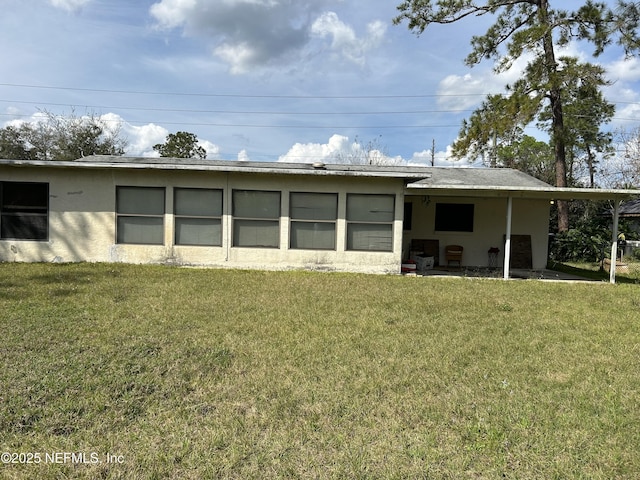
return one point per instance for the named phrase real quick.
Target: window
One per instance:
(140, 215)
(256, 218)
(24, 211)
(313, 220)
(454, 217)
(198, 216)
(408, 216)
(370, 222)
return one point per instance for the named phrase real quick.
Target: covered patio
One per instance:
(484, 210)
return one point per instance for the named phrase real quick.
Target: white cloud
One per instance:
(315, 152)
(239, 57)
(246, 34)
(468, 90)
(463, 91)
(339, 149)
(440, 159)
(629, 113)
(624, 70)
(12, 111)
(213, 150)
(243, 156)
(173, 13)
(622, 73)
(424, 158)
(70, 5)
(344, 39)
(142, 139)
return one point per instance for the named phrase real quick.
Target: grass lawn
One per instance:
(594, 271)
(168, 373)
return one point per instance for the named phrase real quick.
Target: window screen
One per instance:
(370, 222)
(256, 218)
(140, 215)
(454, 217)
(24, 211)
(198, 216)
(313, 220)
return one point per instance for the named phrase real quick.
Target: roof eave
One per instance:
(548, 193)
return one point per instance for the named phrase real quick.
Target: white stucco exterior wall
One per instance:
(82, 220)
(530, 217)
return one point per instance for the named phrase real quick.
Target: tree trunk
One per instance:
(555, 98)
(592, 168)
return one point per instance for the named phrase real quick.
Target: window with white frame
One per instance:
(256, 218)
(313, 220)
(370, 222)
(198, 216)
(24, 211)
(140, 215)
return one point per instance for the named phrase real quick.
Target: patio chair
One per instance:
(453, 253)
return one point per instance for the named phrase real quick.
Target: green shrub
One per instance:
(579, 245)
(590, 238)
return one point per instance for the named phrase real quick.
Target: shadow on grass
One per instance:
(591, 273)
(72, 273)
(18, 281)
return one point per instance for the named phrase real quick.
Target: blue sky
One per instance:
(263, 80)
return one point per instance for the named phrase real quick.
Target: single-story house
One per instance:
(631, 212)
(272, 215)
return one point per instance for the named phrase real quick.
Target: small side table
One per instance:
(493, 257)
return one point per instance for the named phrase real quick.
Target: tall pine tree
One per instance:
(533, 27)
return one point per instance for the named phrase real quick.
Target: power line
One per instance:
(241, 95)
(236, 95)
(261, 112)
(259, 125)
(255, 125)
(237, 112)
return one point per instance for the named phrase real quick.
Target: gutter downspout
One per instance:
(507, 243)
(614, 241)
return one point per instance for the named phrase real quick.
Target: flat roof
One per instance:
(194, 164)
(421, 180)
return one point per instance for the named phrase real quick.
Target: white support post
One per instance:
(614, 241)
(507, 243)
